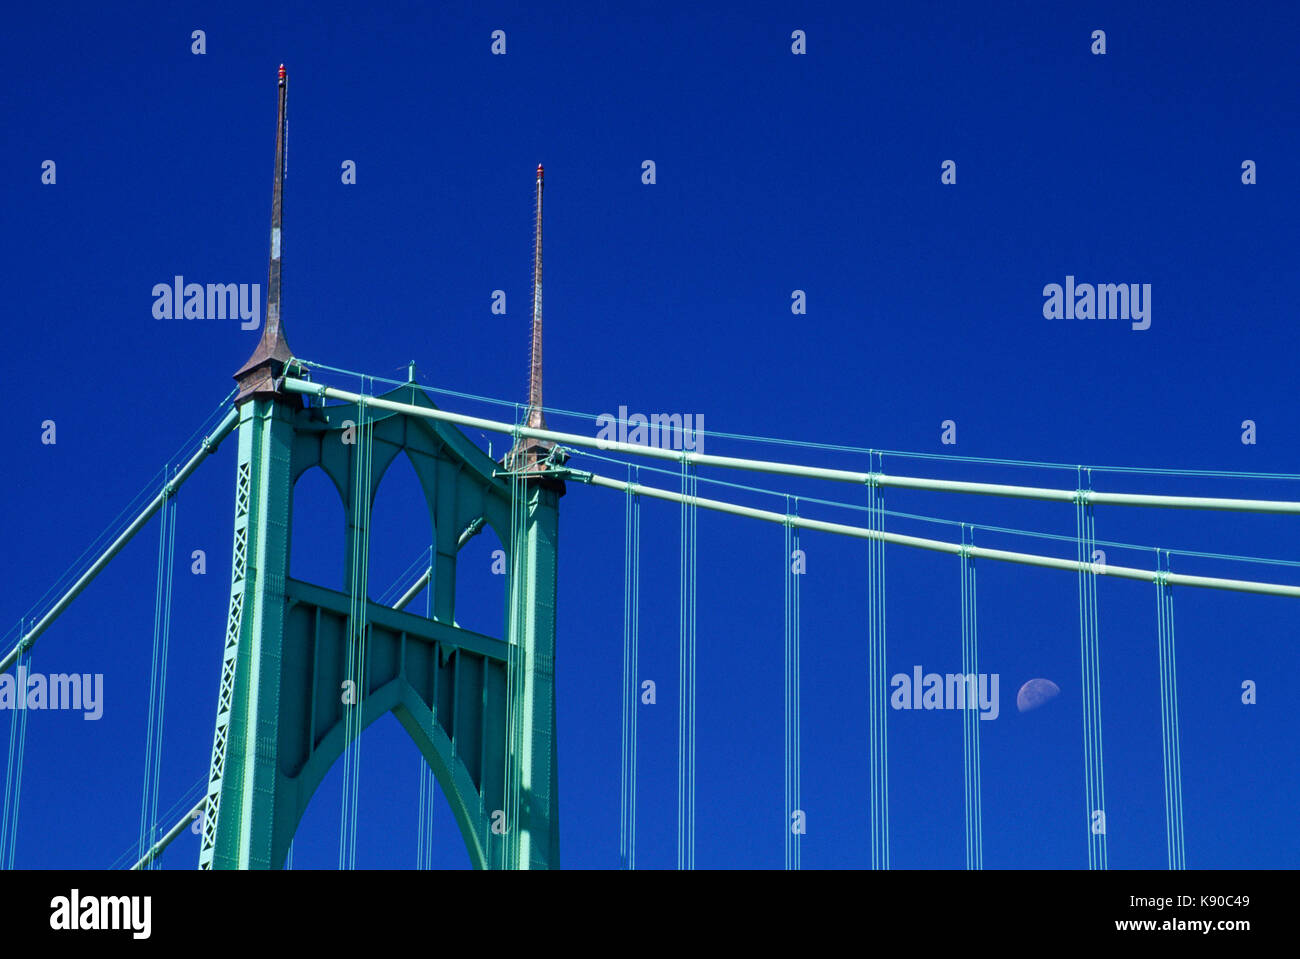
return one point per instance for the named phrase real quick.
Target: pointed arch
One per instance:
(389, 809)
(454, 778)
(317, 530)
(402, 532)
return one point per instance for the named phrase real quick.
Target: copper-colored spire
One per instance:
(535, 418)
(529, 455)
(258, 375)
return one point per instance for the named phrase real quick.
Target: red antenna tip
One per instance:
(282, 73)
(539, 171)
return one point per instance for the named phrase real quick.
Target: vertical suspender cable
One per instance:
(798, 706)
(1081, 555)
(636, 669)
(419, 821)
(356, 655)
(975, 719)
(349, 669)
(363, 632)
(695, 513)
(1175, 736)
(970, 704)
(787, 549)
(512, 628)
(626, 776)
(14, 761)
(158, 674)
(428, 782)
(162, 666)
(683, 693)
(515, 662)
(1090, 658)
(967, 806)
(686, 675)
(349, 690)
(1170, 739)
(424, 828)
(519, 655)
(876, 674)
(1091, 579)
(631, 630)
(1164, 705)
(792, 561)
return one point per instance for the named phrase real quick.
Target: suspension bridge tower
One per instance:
(305, 669)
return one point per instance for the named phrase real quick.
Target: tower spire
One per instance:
(535, 456)
(258, 374)
(535, 417)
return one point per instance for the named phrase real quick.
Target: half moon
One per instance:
(1035, 693)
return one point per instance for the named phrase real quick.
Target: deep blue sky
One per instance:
(775, 172)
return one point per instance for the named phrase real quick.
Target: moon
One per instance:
(1035, 693)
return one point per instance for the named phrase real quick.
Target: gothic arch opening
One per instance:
(318, 531)
(388, 810)
(401, 532)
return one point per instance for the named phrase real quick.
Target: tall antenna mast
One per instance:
(264, 367)
(535, 418)
(536, 456)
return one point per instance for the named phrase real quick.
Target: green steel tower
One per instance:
(306, 668)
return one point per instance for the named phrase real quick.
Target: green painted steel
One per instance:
(280, 712)
(534, 565)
